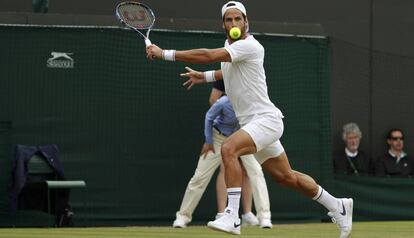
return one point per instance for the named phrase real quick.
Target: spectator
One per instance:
(351, 160)
(396, 162)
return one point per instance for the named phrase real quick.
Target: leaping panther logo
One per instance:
(60, 60)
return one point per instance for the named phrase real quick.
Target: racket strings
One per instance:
(136, 16)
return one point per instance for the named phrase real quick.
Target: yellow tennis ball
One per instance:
(235, 33)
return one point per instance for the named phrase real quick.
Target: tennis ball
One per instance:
(235, 33)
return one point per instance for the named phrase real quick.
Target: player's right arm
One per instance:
(203, 56)
(194, 56)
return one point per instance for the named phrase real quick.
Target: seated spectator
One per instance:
(351, 160)
(395, 163)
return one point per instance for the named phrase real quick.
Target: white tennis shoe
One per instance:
(342, 217)
(266, 223)
(179, 223)
(228, 223)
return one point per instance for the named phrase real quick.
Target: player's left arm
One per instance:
(197, 77)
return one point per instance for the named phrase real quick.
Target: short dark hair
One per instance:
(389, 134)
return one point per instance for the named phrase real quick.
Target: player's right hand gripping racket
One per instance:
(137, 16)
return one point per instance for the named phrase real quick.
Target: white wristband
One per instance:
(209, 76)
(168, 55)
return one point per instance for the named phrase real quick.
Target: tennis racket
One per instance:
(136, 16)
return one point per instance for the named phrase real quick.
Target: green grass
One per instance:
(403, 229)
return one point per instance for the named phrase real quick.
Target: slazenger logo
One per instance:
(60, 60)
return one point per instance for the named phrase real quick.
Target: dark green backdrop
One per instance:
(127, 126)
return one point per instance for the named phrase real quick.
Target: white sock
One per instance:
(327, 200)
(234, 195)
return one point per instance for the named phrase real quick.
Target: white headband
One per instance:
(233, 4)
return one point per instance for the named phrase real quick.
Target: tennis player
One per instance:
(260, 120)
(220, 122)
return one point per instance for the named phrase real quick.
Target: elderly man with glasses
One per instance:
(351, 160)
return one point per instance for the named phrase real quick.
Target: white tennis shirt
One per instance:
(245, 80)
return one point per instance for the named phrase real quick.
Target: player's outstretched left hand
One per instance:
(195, 77)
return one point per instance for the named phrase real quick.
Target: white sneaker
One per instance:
(266, 223)
(249, 219)
(343, 216)
(179, 223)
(228, 223)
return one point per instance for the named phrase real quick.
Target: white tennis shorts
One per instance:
(266, 131)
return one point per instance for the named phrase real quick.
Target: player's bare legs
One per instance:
(339, 209)
(279, 169)
(249, 219)
(239, 143)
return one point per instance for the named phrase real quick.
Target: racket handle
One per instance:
(147, 42)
